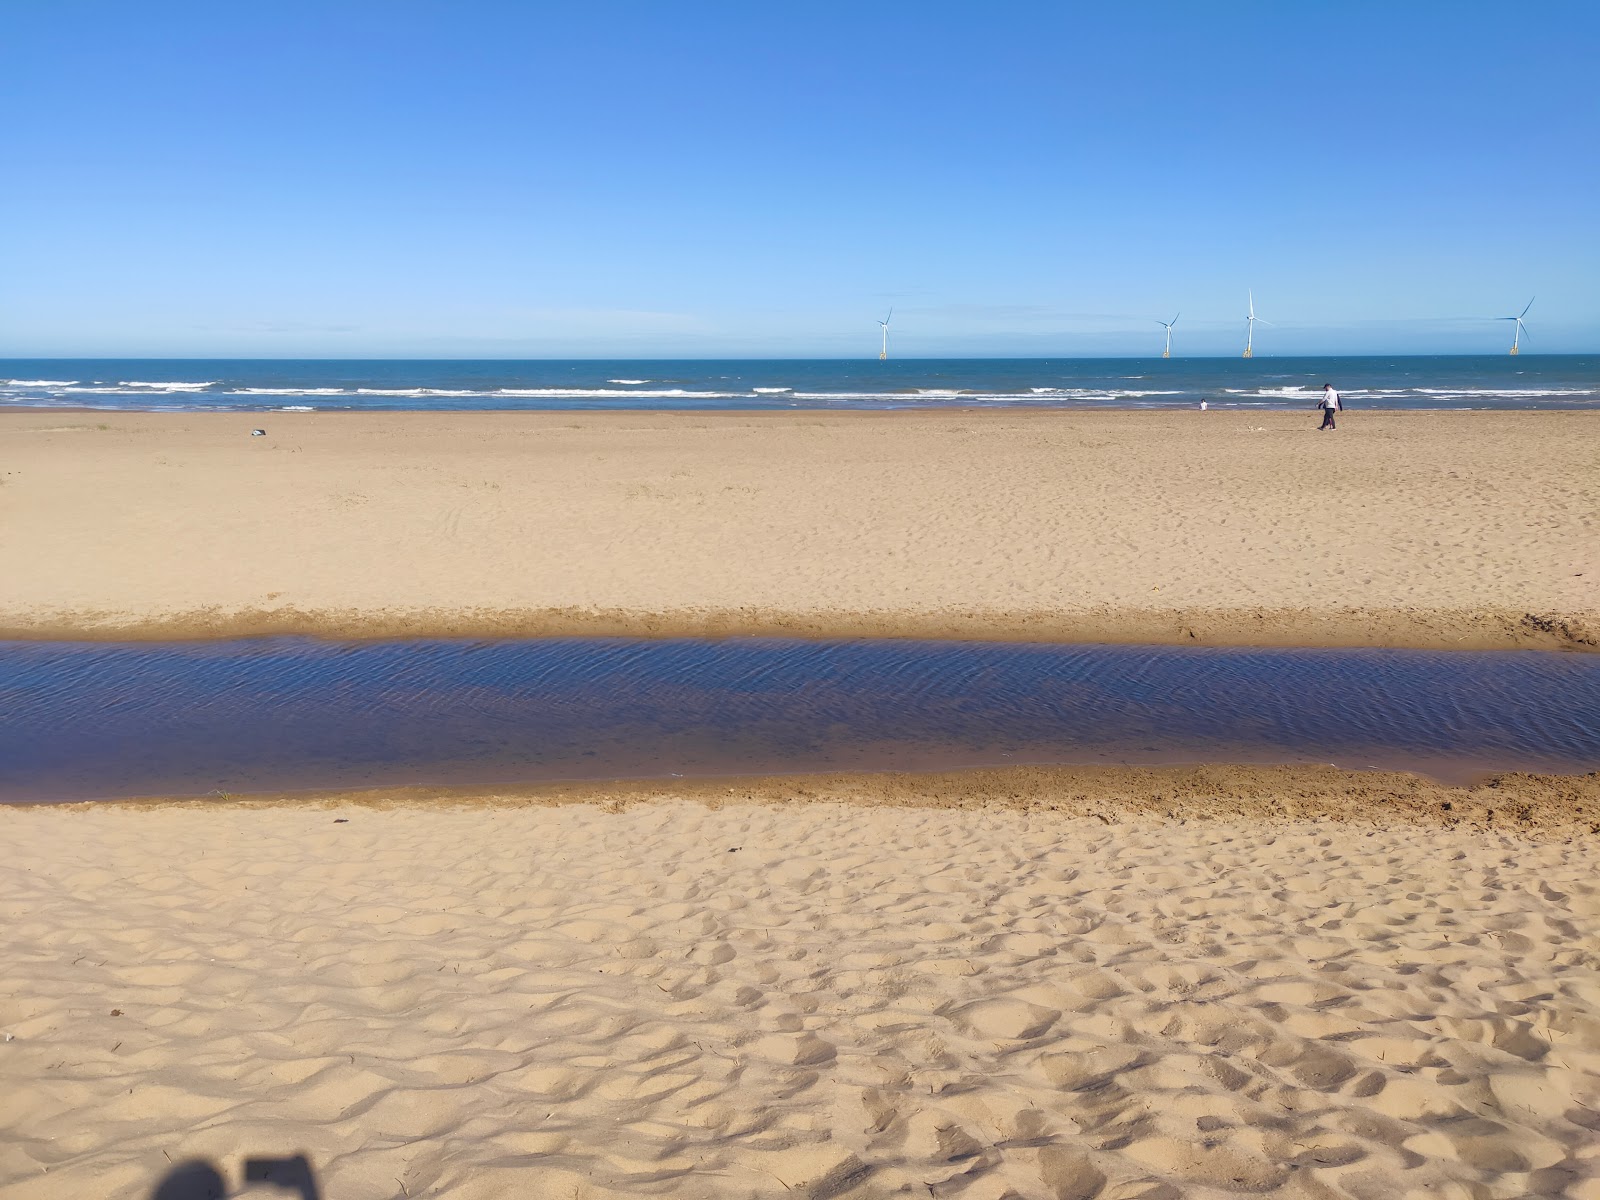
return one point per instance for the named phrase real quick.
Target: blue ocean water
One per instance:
(1459, 381)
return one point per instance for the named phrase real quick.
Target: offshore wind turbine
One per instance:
(1166, 351)
(884, 353)
(1521, 331)
(1250, 328)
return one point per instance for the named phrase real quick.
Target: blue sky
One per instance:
(471, 178)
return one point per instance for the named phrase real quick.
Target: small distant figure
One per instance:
(1202, 406)
(258, 433)
(1329, 404)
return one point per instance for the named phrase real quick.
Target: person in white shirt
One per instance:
(1329, 404)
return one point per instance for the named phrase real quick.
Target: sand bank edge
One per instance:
(1420, 629)
(1563, 806)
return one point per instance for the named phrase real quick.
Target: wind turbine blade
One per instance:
(1523, 328)
(1174, 320)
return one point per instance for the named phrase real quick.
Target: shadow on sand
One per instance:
(197, 1179)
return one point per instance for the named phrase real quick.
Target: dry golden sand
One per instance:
(1437, 529)
(658, 995)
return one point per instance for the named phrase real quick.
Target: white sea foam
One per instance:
(967, 398)
(168, 387)
(1463, 393)
(630, 381)
(40, 382)
(847, 396)
(413, 392)
(615, 392)
(1510, 392)
(292, 391)
(765, 391)
(1099, 393)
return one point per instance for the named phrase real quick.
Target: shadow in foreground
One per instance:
(201, 1180)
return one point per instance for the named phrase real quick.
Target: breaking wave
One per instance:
(292, 391)
(1570, 382)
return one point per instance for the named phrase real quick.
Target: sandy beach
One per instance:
(1046, 984)
(708, 997)
(799, 602)
(1447, 529)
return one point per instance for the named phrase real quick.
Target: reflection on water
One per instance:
(99, 720)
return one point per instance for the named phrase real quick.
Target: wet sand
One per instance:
(1449, 529)
(1036, 985)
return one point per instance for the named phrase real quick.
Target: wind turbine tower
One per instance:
(1521, 331)
(1250, 328)
(1166, 351)
(884, 353)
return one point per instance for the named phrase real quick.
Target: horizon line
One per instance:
(776, 358)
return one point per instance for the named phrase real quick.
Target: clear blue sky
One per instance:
(693, 179)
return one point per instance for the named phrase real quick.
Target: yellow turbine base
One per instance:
(1249, 353)
(1514, 350)
(1166, 354)
(882, 354)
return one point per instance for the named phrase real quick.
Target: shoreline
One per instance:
(953, 406)
(1502, 802)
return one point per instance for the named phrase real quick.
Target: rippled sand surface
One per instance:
(796, 1000)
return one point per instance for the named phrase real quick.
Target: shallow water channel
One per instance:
(100, 720)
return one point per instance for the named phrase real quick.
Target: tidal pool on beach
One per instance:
(105, 720)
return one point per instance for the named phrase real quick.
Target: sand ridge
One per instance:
(796, 1000)
(1529, 806)
(1449, 529)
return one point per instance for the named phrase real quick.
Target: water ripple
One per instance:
(92, 720)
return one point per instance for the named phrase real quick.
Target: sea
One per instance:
(285, 385)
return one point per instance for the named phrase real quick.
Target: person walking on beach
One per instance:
(1329, 404)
